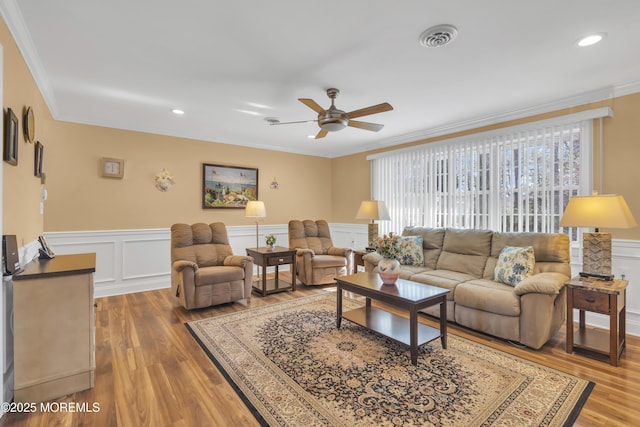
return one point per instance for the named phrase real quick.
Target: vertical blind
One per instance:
(515, 179)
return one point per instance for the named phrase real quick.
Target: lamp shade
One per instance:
(605, 210)
(255, 209)
(373, 210)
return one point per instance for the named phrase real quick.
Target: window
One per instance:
(513, 179)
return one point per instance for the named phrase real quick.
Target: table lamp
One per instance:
(255, 209)
(606, 210)
(373, 210)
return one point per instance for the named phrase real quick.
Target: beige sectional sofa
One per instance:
(464, 261)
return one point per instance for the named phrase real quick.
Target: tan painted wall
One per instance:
(80, 199)
(21, 189)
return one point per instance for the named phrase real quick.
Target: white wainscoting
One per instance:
(139, 260)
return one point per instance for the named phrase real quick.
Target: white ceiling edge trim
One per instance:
(199, 138)
(594, 113)
(15, 22)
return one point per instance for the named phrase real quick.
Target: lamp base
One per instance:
(596, 255)
(372, 233)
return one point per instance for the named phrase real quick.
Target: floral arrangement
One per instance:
(270, 239)
(389, 246)
(164, 180)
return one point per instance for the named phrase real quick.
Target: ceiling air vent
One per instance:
(437, 36)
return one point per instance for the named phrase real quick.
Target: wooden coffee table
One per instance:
(405, 294)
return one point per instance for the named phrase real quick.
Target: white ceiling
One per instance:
(229, 64)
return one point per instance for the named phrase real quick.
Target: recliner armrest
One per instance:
(303, 252)
(345, 252)
(237, 260)
(182, 264)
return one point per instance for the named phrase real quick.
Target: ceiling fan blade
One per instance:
(322, 133)
(374, 127)
(385, 106)
(288, 123)
(312, 104)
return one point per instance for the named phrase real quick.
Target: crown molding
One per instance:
(15, 22)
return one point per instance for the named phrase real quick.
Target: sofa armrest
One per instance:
(182, 264)
(371, 260)
(345, 252)
(237, 261)
(542, 283)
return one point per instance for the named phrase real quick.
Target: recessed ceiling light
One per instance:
(177, 111)
(591, 39)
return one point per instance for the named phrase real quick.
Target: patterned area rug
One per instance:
(293, 367)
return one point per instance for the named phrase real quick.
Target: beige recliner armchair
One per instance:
(318, 262)
(204, 271)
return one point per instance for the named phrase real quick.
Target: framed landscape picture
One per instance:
(228, 187)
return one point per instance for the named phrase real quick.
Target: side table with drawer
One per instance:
(597, 296)
(274, 258)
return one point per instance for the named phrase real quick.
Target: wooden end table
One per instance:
(405, 294)
(274, 258)
(598, 296)
(358, 259)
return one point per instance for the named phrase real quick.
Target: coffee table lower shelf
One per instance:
(390, 325)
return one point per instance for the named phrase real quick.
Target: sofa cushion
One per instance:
(323, 261)
(443, 279)
(465, 251)
(219, 274)
(411, 251)
(488, 295)
(514, 264)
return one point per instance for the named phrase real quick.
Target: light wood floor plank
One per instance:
(151, 372)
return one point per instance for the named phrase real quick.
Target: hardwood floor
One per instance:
(151, 372)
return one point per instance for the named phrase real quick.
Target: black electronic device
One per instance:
(10, 257)
(45, 250)
(606, 278)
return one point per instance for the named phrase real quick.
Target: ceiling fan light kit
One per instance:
(333, 119)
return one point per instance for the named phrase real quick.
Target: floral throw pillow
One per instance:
(411, 251)
(514, 264)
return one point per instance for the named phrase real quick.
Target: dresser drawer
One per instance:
(597, 302)
(287, 259)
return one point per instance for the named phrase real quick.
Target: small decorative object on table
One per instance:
(390, 247)
(270, 239)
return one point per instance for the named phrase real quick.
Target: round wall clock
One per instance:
(29, 124)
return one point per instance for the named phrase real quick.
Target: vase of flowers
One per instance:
(390, 247)
(270, 239)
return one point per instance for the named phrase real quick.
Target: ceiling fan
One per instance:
(332, 119)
